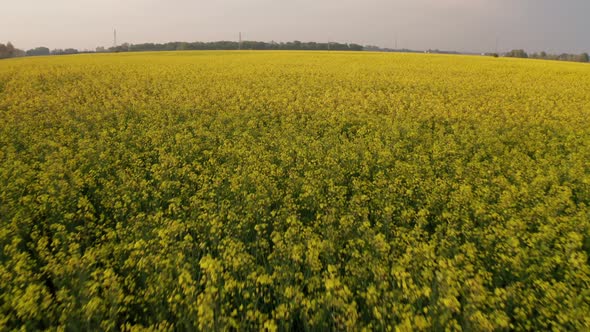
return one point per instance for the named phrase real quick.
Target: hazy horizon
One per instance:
(461, 25)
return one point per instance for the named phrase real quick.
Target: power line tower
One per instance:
(240, 42)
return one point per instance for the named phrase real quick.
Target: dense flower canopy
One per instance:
(294, 191)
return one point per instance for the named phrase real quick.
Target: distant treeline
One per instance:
(9, 51)
(545, 56)
(232, 45)
(45, 51)
(374, 48)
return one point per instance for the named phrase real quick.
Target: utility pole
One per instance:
(115, 37)
(240, 42)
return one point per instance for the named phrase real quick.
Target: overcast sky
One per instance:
(463, 25)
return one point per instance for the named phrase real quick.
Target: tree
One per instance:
(517, 54)
(125, 47)
(64, 52)
(584, 57)
(9, 51)
(38, 51)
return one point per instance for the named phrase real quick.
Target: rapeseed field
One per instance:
(294, 191)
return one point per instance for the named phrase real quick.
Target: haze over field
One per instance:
(462, 25)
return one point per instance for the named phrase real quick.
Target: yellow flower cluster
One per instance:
(294, 191)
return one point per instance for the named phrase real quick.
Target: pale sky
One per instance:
(464, 25)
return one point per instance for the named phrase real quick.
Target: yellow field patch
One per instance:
(294, 191)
